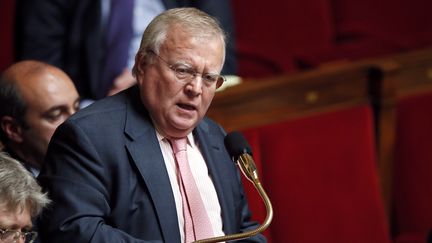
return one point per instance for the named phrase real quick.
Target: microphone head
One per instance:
(236, 144)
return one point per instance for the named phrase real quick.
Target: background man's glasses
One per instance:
(186, 74)
(14, 236)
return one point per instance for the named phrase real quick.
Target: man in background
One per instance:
(35, 98)
(95, 42)
(21, 200)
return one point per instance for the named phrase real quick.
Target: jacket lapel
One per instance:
(146, 154)
(212, 150)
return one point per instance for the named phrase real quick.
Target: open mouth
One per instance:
(186, 107)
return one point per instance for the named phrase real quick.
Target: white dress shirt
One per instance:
(202, 179)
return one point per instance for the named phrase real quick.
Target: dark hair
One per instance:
(12, 104)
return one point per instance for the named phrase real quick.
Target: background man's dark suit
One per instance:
(68, 34)
(108, 177)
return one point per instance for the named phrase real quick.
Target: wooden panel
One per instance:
(412, 76)
(408, 73)
(265, 101)
(402, 75)
(379, 82)
(415, 73)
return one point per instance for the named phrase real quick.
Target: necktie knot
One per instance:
(178, 144)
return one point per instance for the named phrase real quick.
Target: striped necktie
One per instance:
(197, 224)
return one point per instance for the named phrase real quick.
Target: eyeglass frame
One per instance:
(17, 234)
(192, 73)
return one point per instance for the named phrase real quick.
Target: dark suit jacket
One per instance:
(106, 175)
(68, 34)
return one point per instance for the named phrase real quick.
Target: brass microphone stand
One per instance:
(247, 166)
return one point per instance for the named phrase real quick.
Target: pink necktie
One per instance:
(197, 224)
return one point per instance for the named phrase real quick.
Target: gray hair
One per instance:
(18, 188)
(190, 20)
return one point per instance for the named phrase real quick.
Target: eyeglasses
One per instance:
(186, 74)
(13, 236)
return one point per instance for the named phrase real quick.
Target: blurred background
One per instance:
(336, 100)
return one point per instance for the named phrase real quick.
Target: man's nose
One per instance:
(195, 84)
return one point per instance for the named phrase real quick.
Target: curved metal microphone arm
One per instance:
(247, 166)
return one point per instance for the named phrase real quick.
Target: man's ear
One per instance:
(140, 66)
(11, 128)
(141, 62)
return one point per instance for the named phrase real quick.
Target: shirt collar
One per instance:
(190, 139)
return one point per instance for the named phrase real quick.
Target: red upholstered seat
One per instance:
(393, 25)
(370, 28)
(321, 175)
(269, 35)
(255, 202)
(413, 168)
(7, 15)
(411, 238)
(385, 19)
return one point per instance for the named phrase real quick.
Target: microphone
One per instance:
(241, 153)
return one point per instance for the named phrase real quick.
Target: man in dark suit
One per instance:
(70, 34)
(113, 170)
(35, 99)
